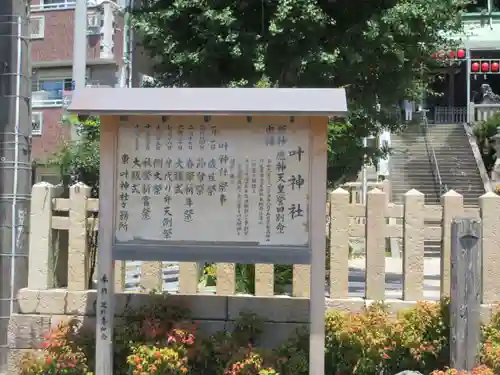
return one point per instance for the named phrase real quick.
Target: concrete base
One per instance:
(39, 310)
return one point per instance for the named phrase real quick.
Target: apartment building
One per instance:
(52, 31)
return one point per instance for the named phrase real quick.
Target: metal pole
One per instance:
(470, 115)
(15, 164)
(126, 79)
(364, 175)
(79, 51)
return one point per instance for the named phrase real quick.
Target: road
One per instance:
(394, 283)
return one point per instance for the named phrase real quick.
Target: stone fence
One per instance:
(61, 261)
(68, 258)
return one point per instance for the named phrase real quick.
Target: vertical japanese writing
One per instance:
(135, 176)
(281, 137)
(148, 136)
(169, 137)
(180, 139)
(181, 171)
(269, 169)
(202, 140)
(124, 194)
(261, 190)
(213, 140)
(270, 130)
(190, 136)
(280, 192)
(232, 164)
(246, 205)
(238, 200)
(103, 307)
(296, 182)
(298, 153)
(254, 176)
(188, 210)
(137, 134)
(158, 137)
(167, 222)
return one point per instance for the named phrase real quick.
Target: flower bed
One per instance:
(162, 339)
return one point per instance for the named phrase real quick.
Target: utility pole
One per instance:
(15, 155)
(79, 51)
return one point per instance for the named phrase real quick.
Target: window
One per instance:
(58, 2)
(36, 123)
(477, 6)
(495, 5)
(37, 27)
(54, 87)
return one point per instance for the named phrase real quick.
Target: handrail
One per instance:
(432, 154)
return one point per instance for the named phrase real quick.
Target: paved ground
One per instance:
(393, 278)
(393, 269)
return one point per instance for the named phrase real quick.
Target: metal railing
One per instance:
(61, 5)
(47, 103)
(440, 185)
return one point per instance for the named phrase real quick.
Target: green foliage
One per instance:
(490, 354)
(162, 339)
(380, 51)
(78, 160)
(484, 131)
(245, 277)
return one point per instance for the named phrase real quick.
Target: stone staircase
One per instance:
(412, 167)
(456, 161)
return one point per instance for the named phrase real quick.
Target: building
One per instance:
(476, 65)
(51, 32)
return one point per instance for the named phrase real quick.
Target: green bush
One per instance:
(162, 340)
(484, 131)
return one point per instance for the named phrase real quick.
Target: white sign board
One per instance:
(213, 180)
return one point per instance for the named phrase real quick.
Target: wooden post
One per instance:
(465, 293)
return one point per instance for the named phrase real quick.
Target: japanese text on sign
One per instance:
(223, 180)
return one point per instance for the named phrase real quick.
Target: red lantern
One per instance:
(485, 67)
(451, 54)
(474, 67)
(461, 54)
(495, 67)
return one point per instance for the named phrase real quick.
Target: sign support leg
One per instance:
(105, 264)
(317, 235)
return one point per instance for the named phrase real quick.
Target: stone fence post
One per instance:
(41, 254)
(78, 267)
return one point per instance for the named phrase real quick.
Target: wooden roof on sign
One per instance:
(209, 101)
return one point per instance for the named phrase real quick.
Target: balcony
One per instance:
(55, 93)
(48, 5)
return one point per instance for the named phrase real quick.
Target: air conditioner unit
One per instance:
(36, 123)
(94, 23)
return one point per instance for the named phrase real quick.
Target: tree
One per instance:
(378, 50)
(78, 160)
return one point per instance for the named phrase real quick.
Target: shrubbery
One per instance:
(162, 339)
